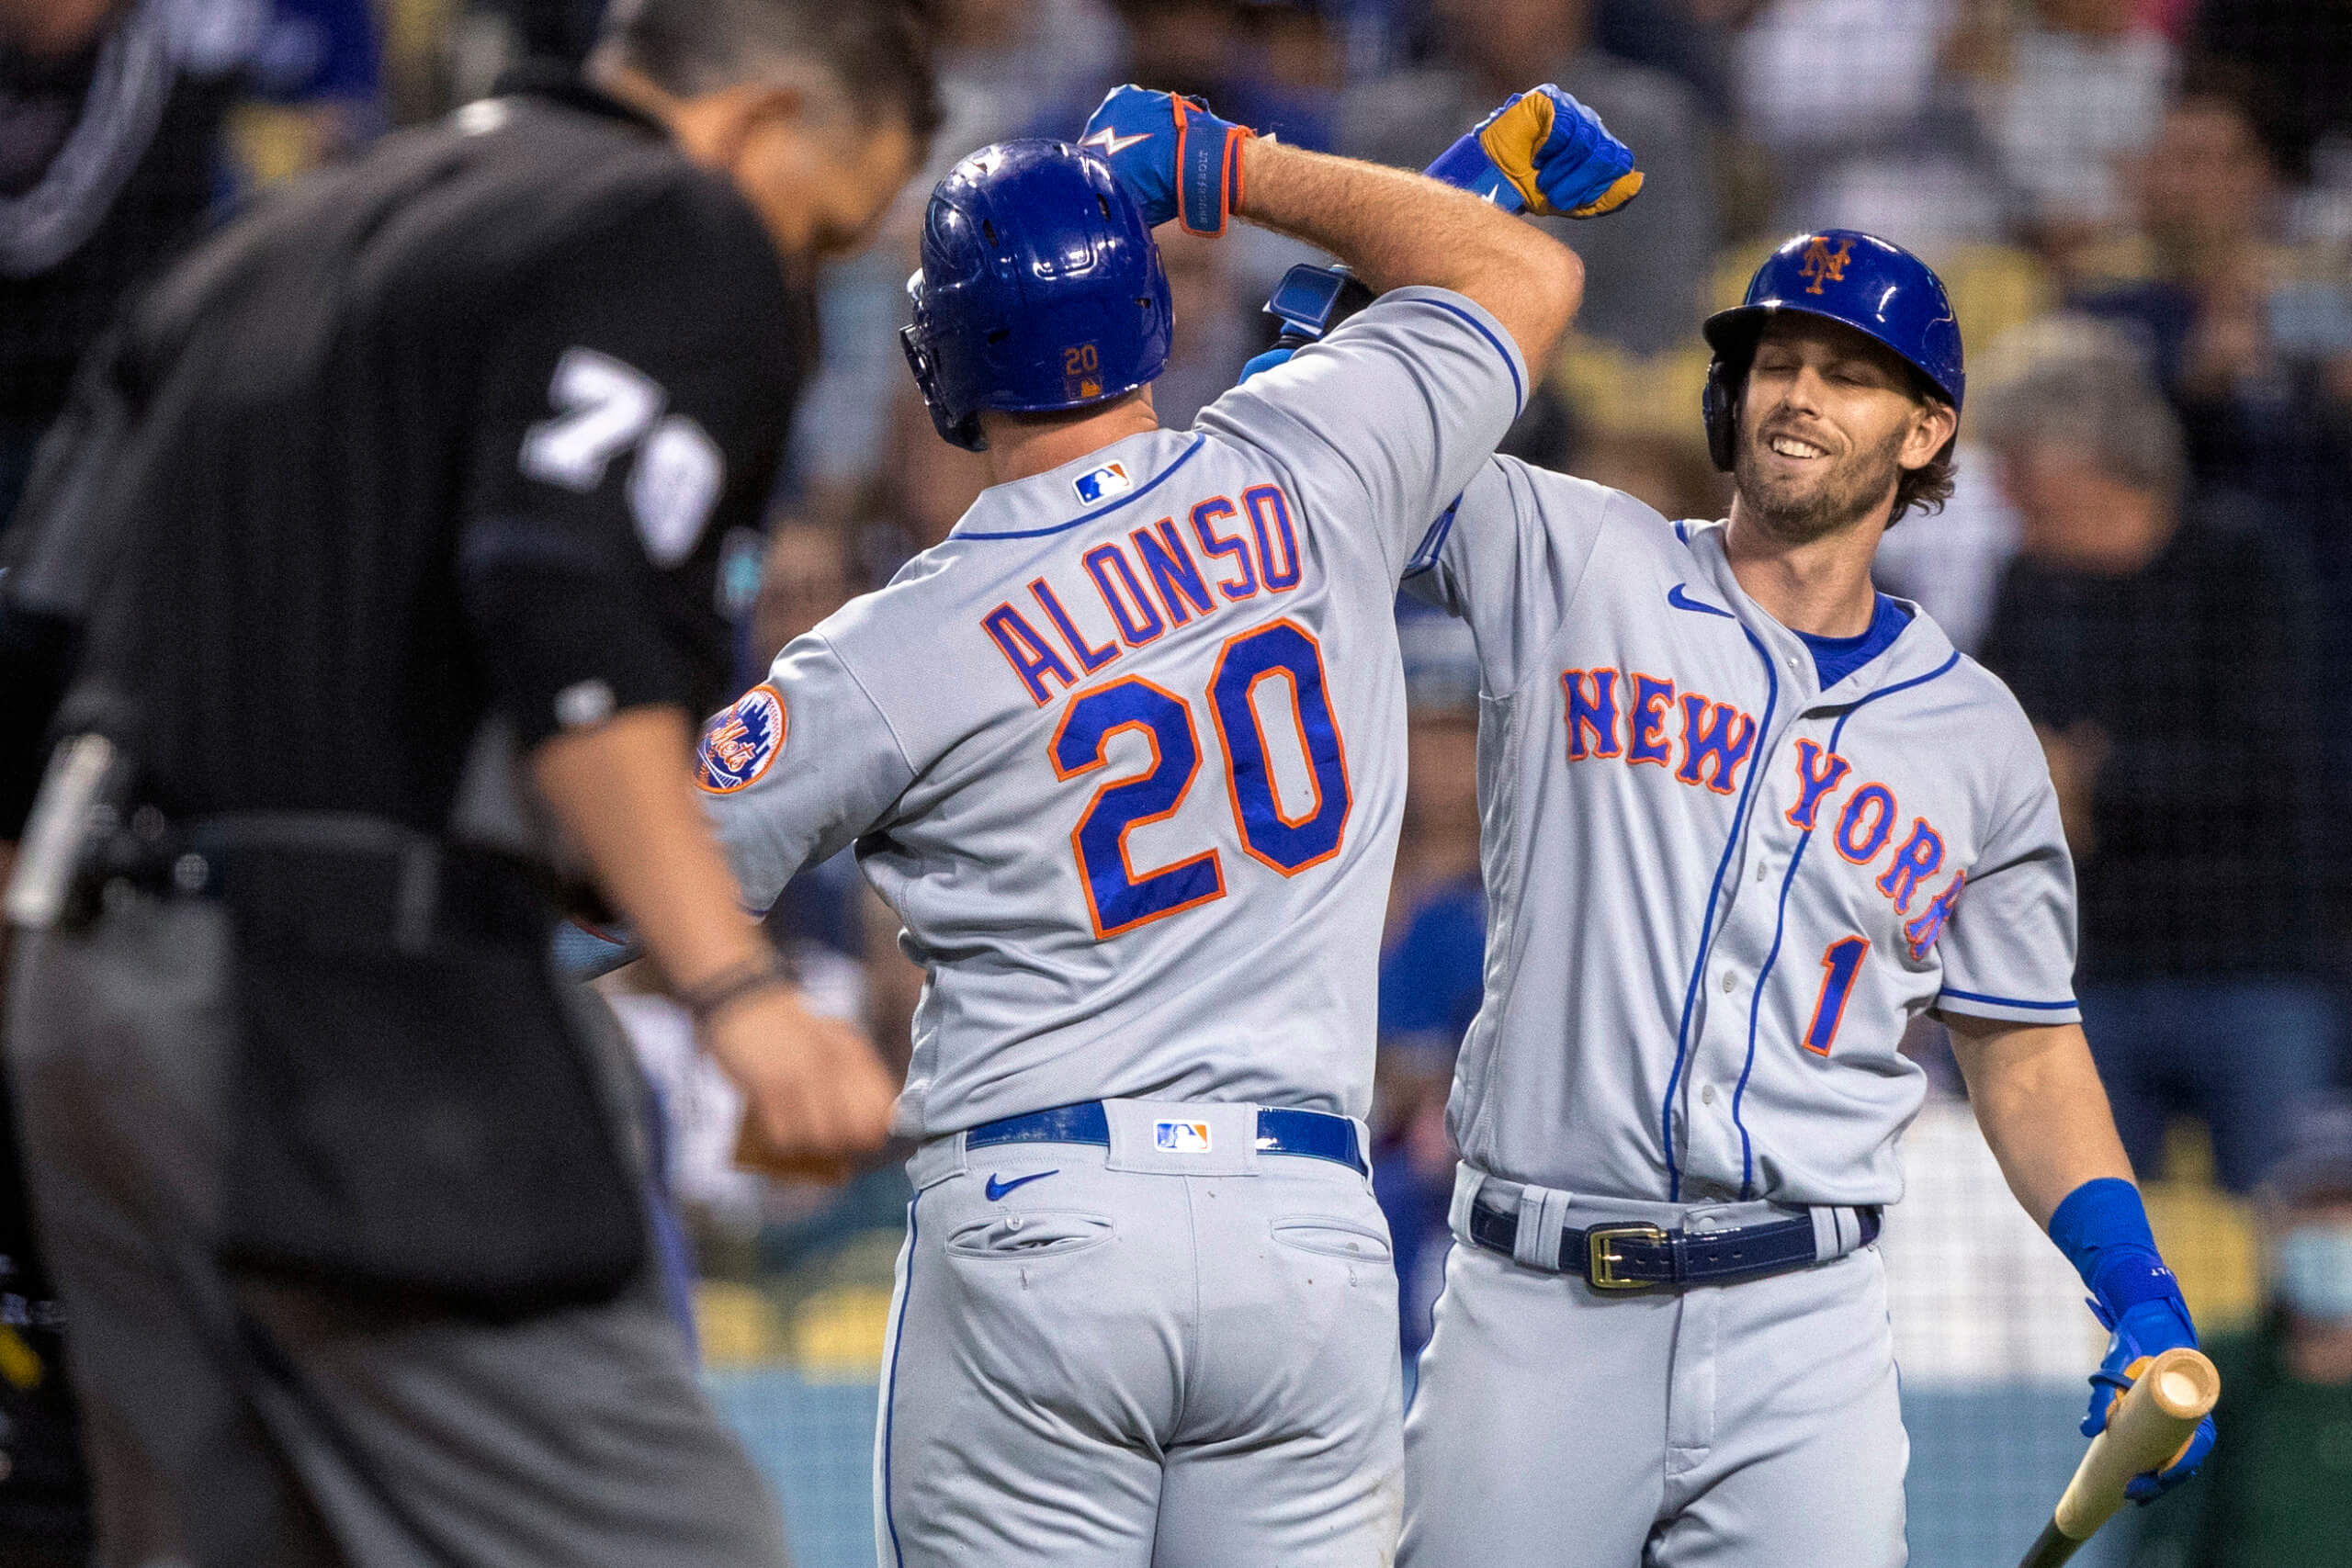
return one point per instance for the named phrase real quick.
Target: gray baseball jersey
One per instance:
(1126, 753)
(1717, 892)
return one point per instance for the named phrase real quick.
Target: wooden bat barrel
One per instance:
(2147, 1429)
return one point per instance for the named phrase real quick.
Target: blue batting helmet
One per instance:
(1040, 288)
(1879, 289)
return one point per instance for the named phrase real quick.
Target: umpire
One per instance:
(372, 586)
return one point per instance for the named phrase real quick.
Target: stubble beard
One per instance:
(1798, 513)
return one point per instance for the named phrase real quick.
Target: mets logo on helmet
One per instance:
(1823, 265)
(740, 742)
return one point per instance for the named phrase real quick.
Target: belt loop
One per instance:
(1542, 1215)
(1467, 1182)
(937, 1161)
(1836, 1231)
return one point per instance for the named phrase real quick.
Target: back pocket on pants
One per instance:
(1033, 1232)
(1332, 1238)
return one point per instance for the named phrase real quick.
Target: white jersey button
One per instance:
(1730, 980)
(1707, 1095)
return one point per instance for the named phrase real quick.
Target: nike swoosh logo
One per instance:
(1681, 601)
(1112, 143)
(998, 1187)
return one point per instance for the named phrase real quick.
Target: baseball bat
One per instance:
(2152, 1422)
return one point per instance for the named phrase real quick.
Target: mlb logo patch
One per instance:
(1101, 484)
(1181, 1137)
(740, 742)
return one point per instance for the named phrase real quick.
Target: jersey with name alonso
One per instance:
(1717, 892)
(1126, 753)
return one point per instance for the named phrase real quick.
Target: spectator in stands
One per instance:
(1432, 965)
(1646, 270)
(1689, 38)
(2165, 650)
(314, 74)
(2066, 99)
(1864, 126)
(2208, 215)
(112, 156)
(2253, 338)
(2299, 54)
(110, 143)
(2273, 1496)
(806, 574)
(1290, 63)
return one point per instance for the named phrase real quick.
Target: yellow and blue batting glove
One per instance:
(1549, 151)
(1173, 156)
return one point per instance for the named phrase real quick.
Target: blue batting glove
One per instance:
(1173, 156)
(1550, 149)
(2139, 1334)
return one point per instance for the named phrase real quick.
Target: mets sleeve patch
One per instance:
(742, 741)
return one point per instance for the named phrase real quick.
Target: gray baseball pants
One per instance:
(1753, 1424)
(1127, 1359)
(231, 1425)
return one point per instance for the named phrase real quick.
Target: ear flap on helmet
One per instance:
(964, 432)
(1719, 405)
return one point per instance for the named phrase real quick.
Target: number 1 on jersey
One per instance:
(1843, 960)
(1120, 898)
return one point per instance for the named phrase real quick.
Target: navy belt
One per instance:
(1643, 1257)
(1312, 1134)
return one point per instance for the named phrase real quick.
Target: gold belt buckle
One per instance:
(1602, 1265)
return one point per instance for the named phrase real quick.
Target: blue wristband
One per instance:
(1465, 166)
(2102, 1227)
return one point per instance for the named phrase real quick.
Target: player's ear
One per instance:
(1933, 424)
(732, 116)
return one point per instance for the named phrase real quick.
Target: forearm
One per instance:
(1392, 229)
(624, 791)
(2038, 1098)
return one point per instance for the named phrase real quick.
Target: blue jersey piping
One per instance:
(1129, 499)
(1518, 390)
(891, 1388)
(1780, 927)
(1707, 927)
(1425, 555)
(2006, 1001)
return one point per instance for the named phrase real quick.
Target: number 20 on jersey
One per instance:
(1120, 897)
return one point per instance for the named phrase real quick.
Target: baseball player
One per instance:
(1125, 755)
(1745, 817)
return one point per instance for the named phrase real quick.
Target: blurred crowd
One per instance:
(2143, 209)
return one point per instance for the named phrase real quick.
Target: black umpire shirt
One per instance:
(448, 435)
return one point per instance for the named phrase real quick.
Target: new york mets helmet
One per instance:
(1879, 289)
(1041, 289)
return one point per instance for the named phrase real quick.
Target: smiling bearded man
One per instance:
(1811, 465)
(1732, 796)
